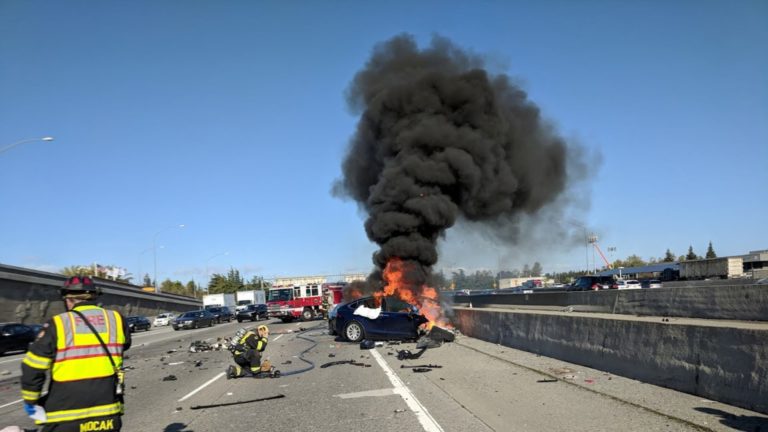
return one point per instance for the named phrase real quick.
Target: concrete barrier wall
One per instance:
(745, 302)
(32, 297)
(719, 363)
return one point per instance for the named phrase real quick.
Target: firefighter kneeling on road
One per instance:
(83, 350)
(247, 354)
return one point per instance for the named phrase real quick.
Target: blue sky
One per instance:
(229, 117)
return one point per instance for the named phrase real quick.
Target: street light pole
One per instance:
(9, 146)
(154, 248)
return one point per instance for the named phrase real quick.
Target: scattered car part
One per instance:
(421, 366)
(170, 378)
(407, 355)
(421, 370)
(340, 362)
(546, 380)
(366, 343)
(197, 407)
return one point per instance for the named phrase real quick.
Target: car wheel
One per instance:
(239, 320)
(332, 327)
(175, 329)
(307, 314)
(354, 331)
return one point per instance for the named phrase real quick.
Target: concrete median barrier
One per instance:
(31, 297)
(718, 360)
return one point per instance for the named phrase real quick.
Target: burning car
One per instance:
(384, 318)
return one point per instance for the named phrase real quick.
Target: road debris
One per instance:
(421, 370)
(408, 355)
(340, 362)
(170, 378)
(433, 366)
(400, 410)
(175, 363)
(203, 346)
(546, 381)
(331, 355)
(198, 363)
(367, 344)
(287, 362)
(197, 407)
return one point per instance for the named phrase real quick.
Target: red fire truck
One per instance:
(301, 301)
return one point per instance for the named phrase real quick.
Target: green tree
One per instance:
(231, 283)
(257, 283)
(536, 270)
(669, 256)
(691, 254)
(711, 252)
(172, 287)
(634, 261)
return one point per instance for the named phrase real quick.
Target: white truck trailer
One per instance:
(244, 298)
(722, 268)
(227, 300)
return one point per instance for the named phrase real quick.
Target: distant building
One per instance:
(756, 263)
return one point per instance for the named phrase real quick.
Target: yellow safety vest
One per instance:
(79, 355)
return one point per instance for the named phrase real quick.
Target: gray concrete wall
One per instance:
(32, 297)
(734, 301)
(716, 362)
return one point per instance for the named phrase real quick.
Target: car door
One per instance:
(396, 320)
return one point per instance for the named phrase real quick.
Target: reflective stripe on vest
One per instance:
(81, 413)
(79, 355)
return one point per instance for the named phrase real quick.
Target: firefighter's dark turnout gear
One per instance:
(247, 353)
(82, 392)
(85, 389)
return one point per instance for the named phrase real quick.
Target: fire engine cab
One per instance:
(304, 302)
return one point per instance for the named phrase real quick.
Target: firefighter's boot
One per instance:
(231, 372)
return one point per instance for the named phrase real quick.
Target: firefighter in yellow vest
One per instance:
(247, 354)
(86, 390)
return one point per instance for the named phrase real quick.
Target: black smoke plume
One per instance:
(440, 138)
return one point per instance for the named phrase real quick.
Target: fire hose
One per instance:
(301, 354)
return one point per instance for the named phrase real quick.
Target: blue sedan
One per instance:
(396, 320)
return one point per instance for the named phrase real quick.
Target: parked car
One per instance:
(194, 319)
(394, 319)
(222, 313)
(15, 337)
(252, 312)
(652, 283)
(164, 319)
(136, 323)
(592, 282)
(628, 284)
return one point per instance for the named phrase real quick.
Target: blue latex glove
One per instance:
(29, 408)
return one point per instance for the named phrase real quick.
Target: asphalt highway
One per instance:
(480, 387)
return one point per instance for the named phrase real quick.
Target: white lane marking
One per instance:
(278, 337)
(425, 418)
(20, 400)
(11, 403)
(12, 360)
(202, 387)
(369, 393)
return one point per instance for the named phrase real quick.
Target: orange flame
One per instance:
(424, 297)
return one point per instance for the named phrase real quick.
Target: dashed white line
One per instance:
(202, 387)
(425, 418)
(278, 337)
